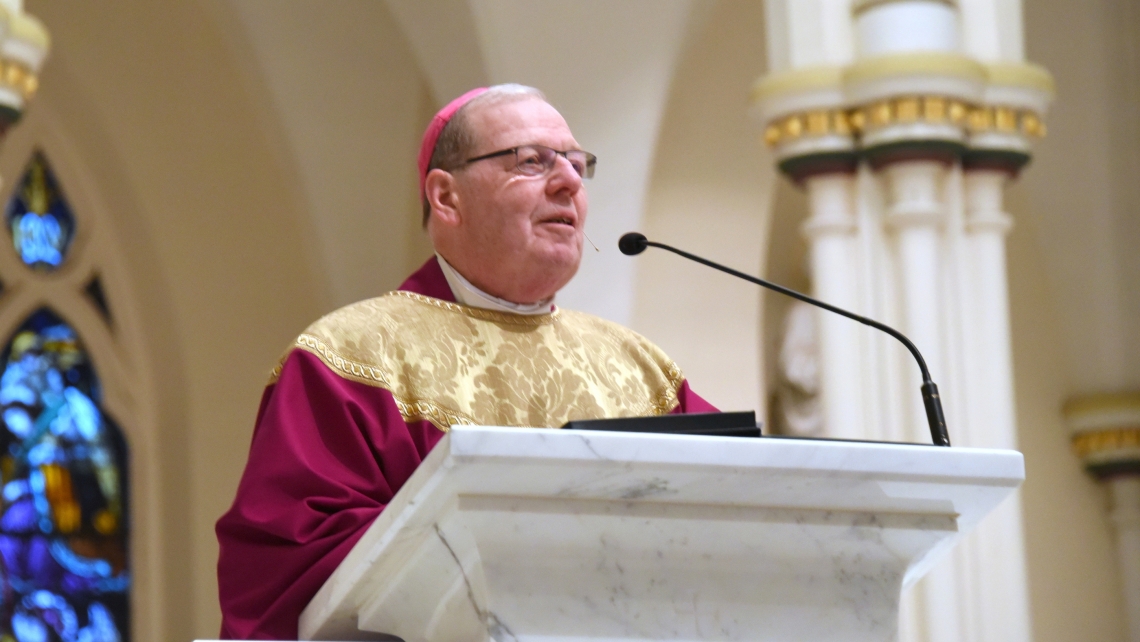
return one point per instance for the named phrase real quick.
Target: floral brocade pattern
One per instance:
(453, 364)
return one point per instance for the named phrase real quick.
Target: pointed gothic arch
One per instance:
(92, 293)
(64, 506)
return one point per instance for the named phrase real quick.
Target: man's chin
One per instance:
(556, 272)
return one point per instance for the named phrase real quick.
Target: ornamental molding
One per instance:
(997, 107)
(19, 77)
(1106, 432)
(1096, 444)
(907, 110)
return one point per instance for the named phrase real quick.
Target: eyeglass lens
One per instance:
(536, 160)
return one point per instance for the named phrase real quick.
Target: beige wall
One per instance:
(1082, 187)
(227, 193)
(1074, 281)
(1073, 586)
(710, 195)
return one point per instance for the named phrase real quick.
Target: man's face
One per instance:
(522, 235)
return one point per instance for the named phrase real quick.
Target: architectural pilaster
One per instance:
(1106, 436)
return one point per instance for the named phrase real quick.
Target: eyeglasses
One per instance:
(538, 160)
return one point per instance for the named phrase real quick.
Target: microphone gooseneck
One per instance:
(635, 243)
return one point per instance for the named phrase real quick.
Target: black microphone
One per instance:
(635, 243)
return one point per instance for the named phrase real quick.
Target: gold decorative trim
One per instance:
(19, 77)
(506, 318)
(1005, 120)
(410, 409)
(813, 123)
(1097, 442)
(863, 5)
(666, 399)
(936, 110)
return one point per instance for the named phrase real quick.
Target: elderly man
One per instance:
(472, 337)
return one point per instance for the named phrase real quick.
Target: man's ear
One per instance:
(440, 191)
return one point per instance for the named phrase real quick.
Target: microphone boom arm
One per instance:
(931, 401)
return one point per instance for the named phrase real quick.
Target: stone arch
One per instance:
(122, 351)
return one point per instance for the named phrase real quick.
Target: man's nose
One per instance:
(564, 176)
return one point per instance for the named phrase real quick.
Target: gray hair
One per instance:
(457, 139)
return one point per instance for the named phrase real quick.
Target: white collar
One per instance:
(468, 294)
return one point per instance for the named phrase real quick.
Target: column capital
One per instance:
(806, 121)
(1106, 432)
(1000, 131)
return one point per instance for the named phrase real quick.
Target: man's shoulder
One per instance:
(360, 334)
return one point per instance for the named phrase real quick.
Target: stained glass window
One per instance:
(39, 218)
(63, 512)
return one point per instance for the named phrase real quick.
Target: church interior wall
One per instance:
(1073, 284)
(1081, 186)
(710, 194)
(352, 160)
(243, 214)
(1073, 585)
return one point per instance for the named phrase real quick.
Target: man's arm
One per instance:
(327, 456)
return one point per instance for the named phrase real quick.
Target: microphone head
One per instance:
(633, 243)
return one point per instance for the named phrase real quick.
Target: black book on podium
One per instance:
(711, 424)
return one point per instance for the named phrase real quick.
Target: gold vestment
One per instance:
(454, 364)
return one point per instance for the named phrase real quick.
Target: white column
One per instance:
(998, 549)
(989, 369)
(916, 214)
(1126, 519)
(830, 231)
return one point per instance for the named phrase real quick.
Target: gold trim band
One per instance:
(936, 110)
(1096, 442)
(19, 77)
(529, 320)
(813, 123)
(410, 409)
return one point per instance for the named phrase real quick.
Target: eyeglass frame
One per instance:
(591, 160)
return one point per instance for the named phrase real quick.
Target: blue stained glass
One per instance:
(39, 218)
(63, 503)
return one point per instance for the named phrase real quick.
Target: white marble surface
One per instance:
(545, 535)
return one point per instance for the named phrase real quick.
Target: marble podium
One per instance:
(559, 535)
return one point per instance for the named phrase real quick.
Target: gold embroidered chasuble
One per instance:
(453, 364)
